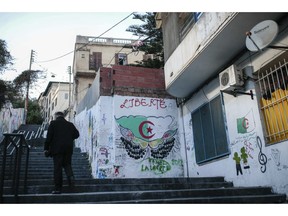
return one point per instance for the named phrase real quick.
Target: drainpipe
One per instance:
(182, 119)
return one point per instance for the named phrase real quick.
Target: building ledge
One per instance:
(210, 58)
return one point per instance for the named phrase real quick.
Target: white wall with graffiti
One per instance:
(250, 162)
(10, 120)
(139, 137)
(132, 137)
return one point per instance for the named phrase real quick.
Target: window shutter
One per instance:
(98, 60)
(95, 61)
(210, 139)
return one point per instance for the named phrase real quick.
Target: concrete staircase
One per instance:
(150, 190)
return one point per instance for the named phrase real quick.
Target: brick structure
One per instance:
(133, 81)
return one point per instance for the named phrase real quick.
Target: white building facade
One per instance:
(91, 53)
(55, 98)
(232, 102)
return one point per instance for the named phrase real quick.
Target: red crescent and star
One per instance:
(245, 123)
(149, 129)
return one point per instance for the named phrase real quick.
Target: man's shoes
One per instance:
(71, 181)
(56, 192)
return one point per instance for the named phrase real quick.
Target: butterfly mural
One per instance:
(138, 137)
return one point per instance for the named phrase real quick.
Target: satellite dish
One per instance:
(261, 35)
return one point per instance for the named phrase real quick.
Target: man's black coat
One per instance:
(60, 137)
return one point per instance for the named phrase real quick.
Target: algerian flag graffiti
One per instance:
(140, 133)
(247, 123)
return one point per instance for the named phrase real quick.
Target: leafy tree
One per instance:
(153, 44)
(34, 116)
(24, 81)
(5, 57)
(27, 78)
(7, 92)
(5, 61)
(2, 93)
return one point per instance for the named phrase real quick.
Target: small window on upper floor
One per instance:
(95, 61)
(121, 59)
(272, 89)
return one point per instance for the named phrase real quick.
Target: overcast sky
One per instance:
(52, 35)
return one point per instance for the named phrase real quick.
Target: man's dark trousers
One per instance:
(62, 161)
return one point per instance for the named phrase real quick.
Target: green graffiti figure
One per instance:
(244, 157)
(238, 165)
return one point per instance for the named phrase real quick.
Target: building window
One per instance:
(66, 96)
(95, 61)
(186, 22)
(210, 139)
(55, 101)
(121, 59)
(272, 85)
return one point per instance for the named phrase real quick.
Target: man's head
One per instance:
(58, 114)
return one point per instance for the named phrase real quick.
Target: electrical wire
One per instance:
(86, 43)
(137, 51)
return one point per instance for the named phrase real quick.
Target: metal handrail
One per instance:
(18, 146)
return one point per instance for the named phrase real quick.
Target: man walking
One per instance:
(59, 145)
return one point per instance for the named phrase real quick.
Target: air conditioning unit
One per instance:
(230, 78)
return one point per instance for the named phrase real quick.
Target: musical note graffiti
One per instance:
(262, 158)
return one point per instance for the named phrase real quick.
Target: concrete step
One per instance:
(219, 181)
(234, 195)
(81, 188)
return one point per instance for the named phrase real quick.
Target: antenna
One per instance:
(261, 35)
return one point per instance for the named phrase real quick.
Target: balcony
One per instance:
(210, 46)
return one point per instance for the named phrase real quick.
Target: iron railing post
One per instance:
(3, 169)
(26, 166)
(18, 167)
(15, 167)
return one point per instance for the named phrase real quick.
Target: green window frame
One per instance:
(209, 130)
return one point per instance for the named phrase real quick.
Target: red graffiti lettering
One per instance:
(158, 103)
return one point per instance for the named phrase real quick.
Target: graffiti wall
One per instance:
(251, 161)
(131, 137)
(10, 120)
